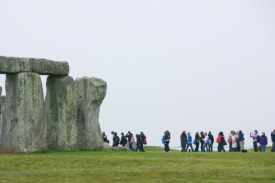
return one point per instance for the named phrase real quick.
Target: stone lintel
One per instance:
(10, 65)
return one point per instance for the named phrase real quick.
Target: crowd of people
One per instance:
(128, 140)
(202, 141)
(235, 140)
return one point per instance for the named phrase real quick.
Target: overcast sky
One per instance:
(170, 65)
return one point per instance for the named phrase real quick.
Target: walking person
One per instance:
(241, 140)
(129, 137)
(183, 140)
(263, 141)
(234, 142)
(197, 141)
(202, 141)
(115, 139)
(105, 139)
(229, 140)
(237, 140)
(167, 141)
(138, 143)
(211, 137)
(220, 141)
(255, 137)
(273, 140)
(206, 141)
(123, 140)
(189, 142)
(142, 140)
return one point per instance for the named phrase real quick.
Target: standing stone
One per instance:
(23, 128)
(60, 113)
(2, 103)
(91, 92)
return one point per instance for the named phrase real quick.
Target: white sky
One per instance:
(170, 65)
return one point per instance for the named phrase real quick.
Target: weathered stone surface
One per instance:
(117, 148)
(2, 103)
(105, 144)
(10, 65)
(90, 93)
(23, 129)
(60, 113)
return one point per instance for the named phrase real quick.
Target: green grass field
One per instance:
(151, 166)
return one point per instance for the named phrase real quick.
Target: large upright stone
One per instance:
(60, 113)
(23, 128)
(91, 92)
(2, 102)
(9, 65)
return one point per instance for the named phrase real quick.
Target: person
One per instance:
(105, 139)
(220, 141)
(167, 140)
(189, 142)
(123, 140)
(205, 143)
(183, 140)
(237, 140)
(197, 141)
(255, 140)
(142, 140)
(273, 140)
(241, 140)
(263, 141)
(234, 141)
(129, 137)
(138, 143)
(202, 141)
(211, 137)
(229, 140)
(115, 139)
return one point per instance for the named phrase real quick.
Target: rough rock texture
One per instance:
(10, 65)
(2, 103)
(117, 148)
(23, 129)
(90, 93)
(105, 144)
(60, 113)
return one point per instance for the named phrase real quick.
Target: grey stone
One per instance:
(23, 128)
(105, 144)
(2, 103)
(116, 148)
(9, 65)
(90, 93)
(0, 90)
(60, 113)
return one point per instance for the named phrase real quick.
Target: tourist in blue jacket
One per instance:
(273, 140)
(263, 141)
(189, 142)
(241, 140)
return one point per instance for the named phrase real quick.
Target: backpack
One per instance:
(219, 140)
(117, 139)
(163, 140)
(258, 139)
(229, 140)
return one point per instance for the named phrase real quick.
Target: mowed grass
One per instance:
(151, 166)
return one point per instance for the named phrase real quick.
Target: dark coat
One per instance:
(211, 137)
(183, 140)
(123, 140)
